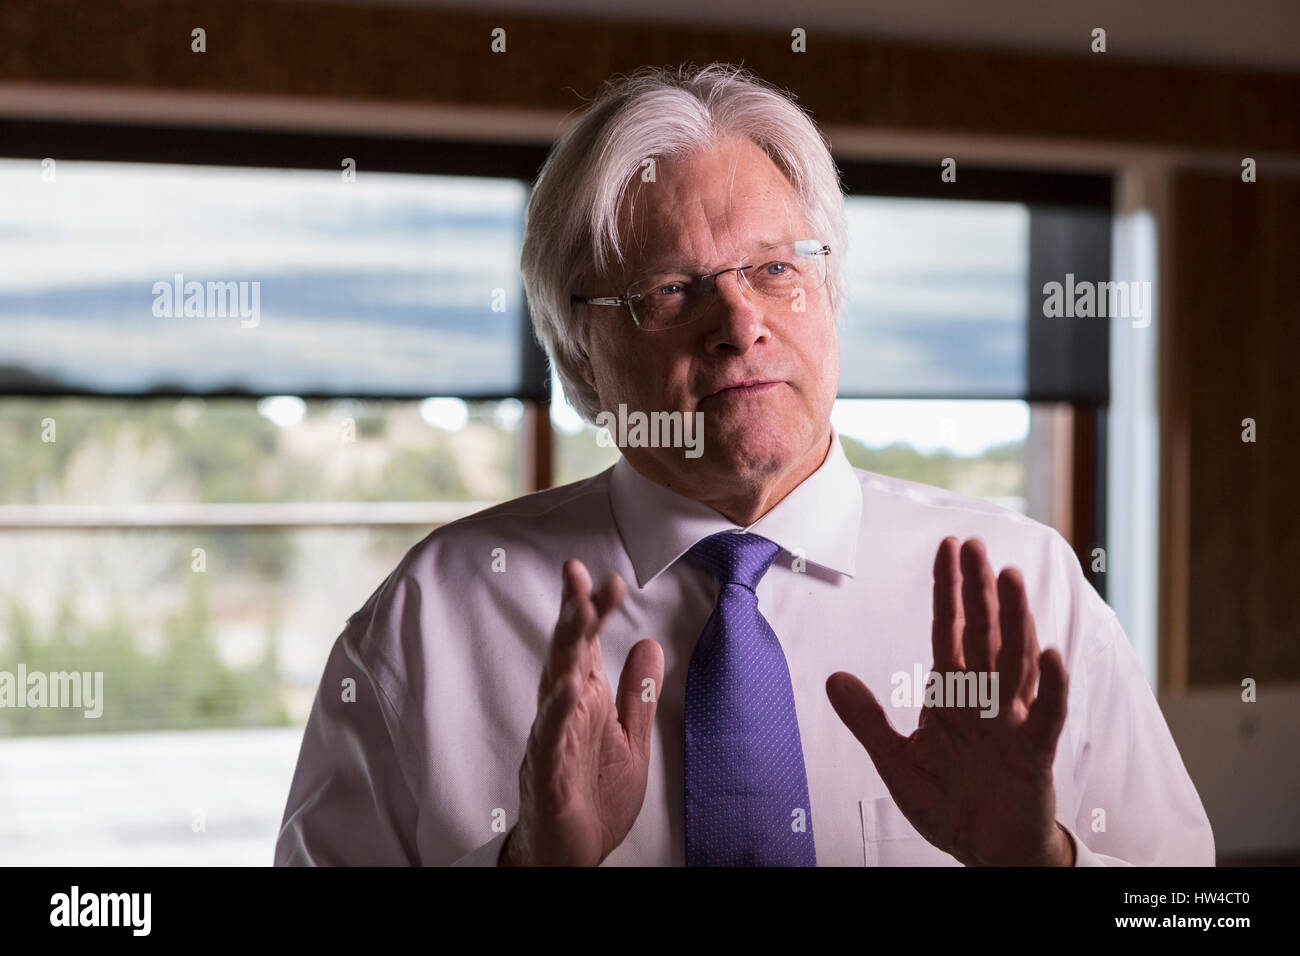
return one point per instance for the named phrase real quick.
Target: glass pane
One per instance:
(204, 646)
(125, 277)
(937, 299)
(976, 448)
(577, 453)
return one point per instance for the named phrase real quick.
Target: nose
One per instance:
(735, 317)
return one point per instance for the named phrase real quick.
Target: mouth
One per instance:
(745, 389)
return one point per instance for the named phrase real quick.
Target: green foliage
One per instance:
(995, 471)
(110, 452)
(185, 687)
(415, 474)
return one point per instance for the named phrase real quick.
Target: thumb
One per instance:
(638, 693)
(862, 714)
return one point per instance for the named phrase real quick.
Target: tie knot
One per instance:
(736, 558)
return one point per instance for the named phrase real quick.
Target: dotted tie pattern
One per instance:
(746, 786)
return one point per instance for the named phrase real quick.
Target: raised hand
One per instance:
(583, 778)
(978, 788)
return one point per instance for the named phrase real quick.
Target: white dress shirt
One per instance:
(421, 766)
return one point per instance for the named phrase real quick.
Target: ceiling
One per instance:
(1251, 34)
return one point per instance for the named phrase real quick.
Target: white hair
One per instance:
(572, 228)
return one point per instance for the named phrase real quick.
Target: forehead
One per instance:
(706, 207)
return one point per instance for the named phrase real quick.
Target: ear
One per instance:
(583, 359)
(584, 366)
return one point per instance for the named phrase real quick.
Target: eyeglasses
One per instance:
(783, 274)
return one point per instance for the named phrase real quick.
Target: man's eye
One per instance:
(668, 288)
(776, 269)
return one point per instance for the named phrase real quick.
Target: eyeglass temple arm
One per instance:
(598, 300)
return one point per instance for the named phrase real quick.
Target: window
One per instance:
(192, 505)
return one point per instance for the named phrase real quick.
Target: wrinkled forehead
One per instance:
(704, 211)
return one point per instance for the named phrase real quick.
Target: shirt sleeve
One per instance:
(1085, 857)
(487, 855)
(1138, 804)
(351, 803)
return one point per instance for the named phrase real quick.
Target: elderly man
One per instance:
(490, 705)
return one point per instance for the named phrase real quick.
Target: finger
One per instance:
(603, 603)
(979, 638)
(949, 619)
(567, 652)
(608, 599)
(1029, 680)
(862, 714)
(1047, 714)
(638, 700)
(1016, 624)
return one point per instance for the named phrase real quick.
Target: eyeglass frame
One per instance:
(620, 300)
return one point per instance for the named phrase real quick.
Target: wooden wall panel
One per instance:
(404, 54)
(1235, 311)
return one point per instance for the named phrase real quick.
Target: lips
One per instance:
(749, 386)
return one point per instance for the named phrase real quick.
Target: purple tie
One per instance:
(746, 787)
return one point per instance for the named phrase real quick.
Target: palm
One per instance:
(978, 787)
(609, 777)
(583, 777)
(969, 788)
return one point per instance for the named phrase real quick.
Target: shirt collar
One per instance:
(820, 518)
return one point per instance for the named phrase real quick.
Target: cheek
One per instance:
(650, 367)
(609, 354)
(629, 370)
(813, 340)
(820, 357)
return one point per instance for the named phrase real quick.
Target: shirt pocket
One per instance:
(888, 839)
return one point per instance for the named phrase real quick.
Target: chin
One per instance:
(752, 446)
